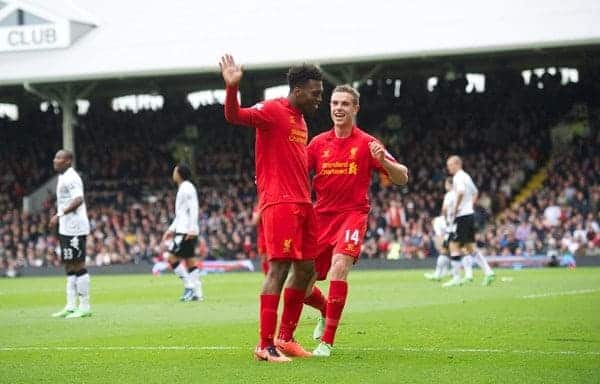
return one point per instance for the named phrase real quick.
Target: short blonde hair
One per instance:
(347, 88)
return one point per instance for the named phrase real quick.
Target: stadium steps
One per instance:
(534, 184)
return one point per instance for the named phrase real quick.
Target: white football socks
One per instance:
(467, 263)
(196, 283)
(71, 292)
(184, 275)
(83, 291)
(482, 262)
(442, 266)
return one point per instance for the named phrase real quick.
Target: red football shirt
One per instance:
(280, 150)
(343, 168)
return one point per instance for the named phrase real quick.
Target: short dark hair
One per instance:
(299, 75)
(184, 171)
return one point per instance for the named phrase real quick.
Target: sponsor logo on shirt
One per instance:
(339, 168)
(298, 136)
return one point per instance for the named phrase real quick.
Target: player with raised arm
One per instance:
(286, 210)
(343, 160)
(463, 213)
(183, 235)
(73, 228)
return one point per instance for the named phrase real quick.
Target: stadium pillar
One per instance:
(67, 106)
(65, 96)
(350, 74)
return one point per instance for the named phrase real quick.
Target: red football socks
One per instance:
(268, 319)
(293, 301)
(317, 300)
(338, 291)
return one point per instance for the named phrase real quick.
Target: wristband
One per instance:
(60, 213)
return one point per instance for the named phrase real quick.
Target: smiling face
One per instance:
(309, 96)
(344, 108)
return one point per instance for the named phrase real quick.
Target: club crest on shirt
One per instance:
(287, 245)
(353, 153)
(326, 153)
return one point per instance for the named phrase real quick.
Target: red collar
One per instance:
(332, 135)
(286, 102)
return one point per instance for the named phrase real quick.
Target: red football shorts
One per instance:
(339, 233)
(290, 232)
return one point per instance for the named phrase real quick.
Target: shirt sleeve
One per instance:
(459, 184)
(75, 186)
(193, 211)
(255, 116)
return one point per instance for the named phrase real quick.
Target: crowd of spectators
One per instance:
(126, 160)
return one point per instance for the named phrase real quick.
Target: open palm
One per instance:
(232, 73)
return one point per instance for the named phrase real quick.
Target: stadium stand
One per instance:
(126, 159)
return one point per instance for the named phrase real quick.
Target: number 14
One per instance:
(352, 235)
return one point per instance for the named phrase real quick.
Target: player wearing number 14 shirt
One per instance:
(342, 161)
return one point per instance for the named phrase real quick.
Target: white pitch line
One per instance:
(357, 349)
(564, 293)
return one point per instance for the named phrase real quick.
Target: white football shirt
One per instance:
(462, 182)
(74, 223)
(186, 210)
(448, 204)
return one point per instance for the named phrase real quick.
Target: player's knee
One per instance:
(340, 269)
(174, 263)
(278, 271)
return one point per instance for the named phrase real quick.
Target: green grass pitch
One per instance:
(530, 326)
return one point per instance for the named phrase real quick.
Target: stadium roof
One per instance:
(127, 39)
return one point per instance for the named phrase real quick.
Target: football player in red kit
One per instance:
(342, 160)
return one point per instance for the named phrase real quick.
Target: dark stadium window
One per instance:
(50, 105)
(526, 76)
(207, 97)
(566, 75)
(569, 75)
(475, 82)
(137, 102)
(397, 88)
(9, 111)
(82, 106)
(431, 83)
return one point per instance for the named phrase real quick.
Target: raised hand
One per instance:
(232, 73)
(377, 151)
